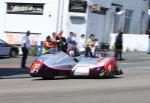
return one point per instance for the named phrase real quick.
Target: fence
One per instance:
(132, 42)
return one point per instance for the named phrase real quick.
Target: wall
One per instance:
(99, 24)
(2, 19)
(138, 25)
(44, 24)
(74, 22)
(132, 42)
(57, 17)
(103, 25)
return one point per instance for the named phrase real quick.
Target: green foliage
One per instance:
(112, 48)
(33, 50)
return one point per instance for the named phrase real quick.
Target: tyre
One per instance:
(119, 72)
(13, 53)
(47, 78)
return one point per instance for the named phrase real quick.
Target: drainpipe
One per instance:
(141, 22)
(60, 15)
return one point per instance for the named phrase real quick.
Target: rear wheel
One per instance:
(13, 53)
(47, 78)
(119, 72)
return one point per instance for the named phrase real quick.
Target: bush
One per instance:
(33, 50)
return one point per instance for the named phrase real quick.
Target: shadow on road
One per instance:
(79, 77)
(4, 57)
(11, 73)
(7, 57)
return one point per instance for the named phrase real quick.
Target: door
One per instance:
(77, 25)
(4, 48)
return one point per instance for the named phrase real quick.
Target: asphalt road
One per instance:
(132, 87)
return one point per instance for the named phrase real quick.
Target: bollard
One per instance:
(41, 47)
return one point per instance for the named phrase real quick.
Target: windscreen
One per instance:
(59, 59)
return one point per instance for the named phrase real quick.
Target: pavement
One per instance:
(10, 67)
(131, 57)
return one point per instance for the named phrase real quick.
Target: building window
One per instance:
(78, 6)
(25, 8)
(128, 18)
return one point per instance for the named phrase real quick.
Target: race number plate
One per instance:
(36, 66)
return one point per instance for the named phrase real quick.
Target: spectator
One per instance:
(53, 37)
(81, 44)
(89, 45)
(119, 46)
(62, 45)
(61, 42)
(71, 39)
(46, 44)
(90, 41)
(148, 33)
(72, 44)
(59, 35)
(53, 40)
(25, 49)
(96, 46)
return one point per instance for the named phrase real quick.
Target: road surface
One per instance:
(132, 87)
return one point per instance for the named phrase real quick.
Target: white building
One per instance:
(42, 17)
(149, 15)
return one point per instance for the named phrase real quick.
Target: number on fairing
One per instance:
(36, 66)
